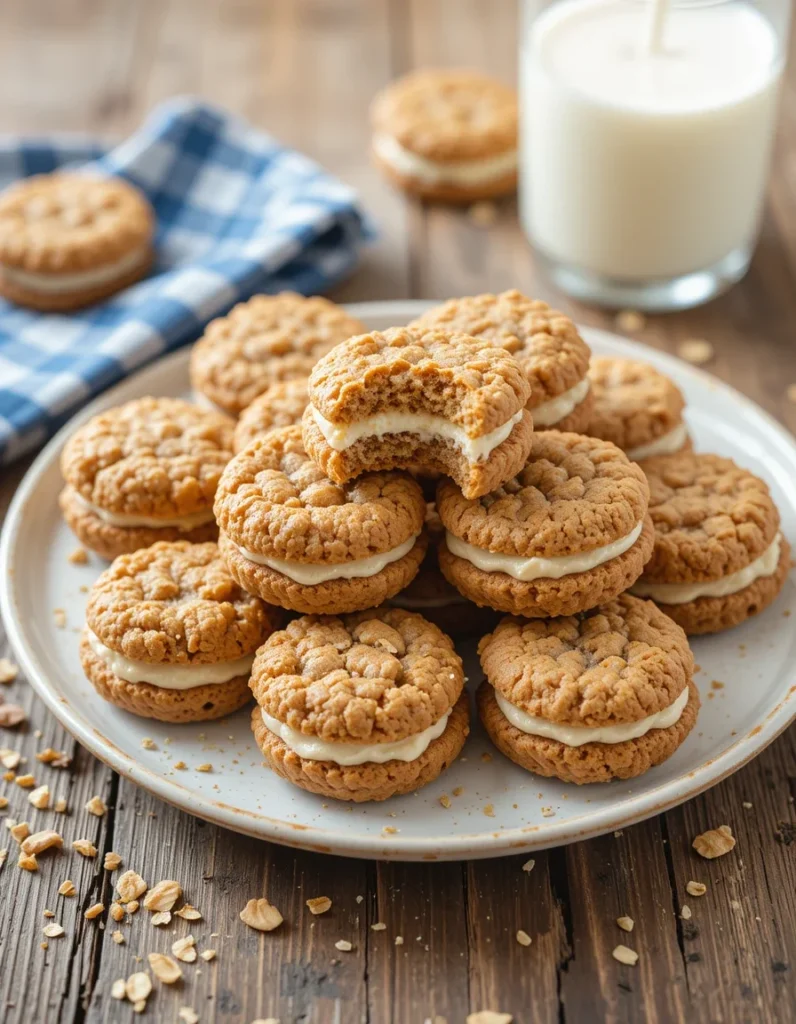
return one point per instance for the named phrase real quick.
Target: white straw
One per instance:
(656, 23)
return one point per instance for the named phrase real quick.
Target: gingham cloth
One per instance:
(237, 214)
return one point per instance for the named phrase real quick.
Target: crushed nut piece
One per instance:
(529, 865)
(180, 765)
(117, 911)
(3, 856)
(53, 931)
(188, 1014)
(164, 968)
(319, 904)
(117, 989)
(20, 832)
(399, 940)
(163, 896)
(625, 923)
(343, 945)
(548, 812)
(40, 798)
(117, 937)
(379, 926)
(161, 917)
(28, 862)
(189, 913)
(132, 906)
(185, 949)
(489, 810)
(148, 744)
(85, 847)
(60, 805)
(48, 913)
(260, 914)
(78, 557)
(696, 888)
(715, 842)
(25, 781)
(685, 912)
(625, 955)
(130, 886)
(94, 911)
(138, 986)
(206, 767)
(47, 755)
(41, 841)
(67, 888)
(695, 350)
(445, 800)
(11, 715)
(10, 758)
(3, 803)
(96, 806)
(208, 955)
(523, 938)
(112, 861)
(8, 670)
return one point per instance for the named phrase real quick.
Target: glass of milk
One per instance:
(646, 137)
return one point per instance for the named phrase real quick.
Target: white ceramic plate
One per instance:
(501, 809)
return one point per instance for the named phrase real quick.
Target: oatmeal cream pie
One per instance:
(568, 532)
(719, 554)
(447, 135)
(300, 541)
(606, 695)
(280, 405)
(68, 240)
(543, 341)
(268, 339)
(360, 708)
(410, 397)
(142, 472)
(636, 408)
(170, 635)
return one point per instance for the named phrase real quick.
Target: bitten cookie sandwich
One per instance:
(170, 635)
(604, 696)
(143, 472)
(544, 342)
(280, 405)
(68, 240)
(409, 397)
(636, 408)
(570, 531)
(720, 556)
(268, 339)
(298, 540)
(361, 708)
(447, 135)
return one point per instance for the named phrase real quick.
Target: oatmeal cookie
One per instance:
(360, 708)
(543, 341)
(280, 405)
(268, 339)
(605, 695)
(68, 240)
(447, 135)
(298, 540)
(170, 635)
(719, 554)
(636, 408)
(142, 472)
(408, 397)
(568, 532)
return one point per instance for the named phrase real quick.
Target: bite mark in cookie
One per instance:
(408, 397)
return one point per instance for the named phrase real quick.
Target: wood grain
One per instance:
(306, 70)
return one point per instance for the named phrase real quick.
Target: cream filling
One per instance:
(667, 444)
(169, 677)
(577, 735)
(536, 568)
(124, 519)
(682, 593)
(424, 425)
(460, 172)
(310, 575)
(311, 748)
(548, 413)
(55, 283)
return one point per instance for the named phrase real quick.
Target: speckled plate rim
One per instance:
(443, 847)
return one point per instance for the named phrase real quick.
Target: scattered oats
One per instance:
(319, 904)
(48, 755)
(529, 865)
(747, 806)
(161, 917)
(360, 899)
(188, 1014)
(8, 670)
(44, 945)
(96, 806)
(489, 810)
(625, 955)
(94, 911)
(625, 923)
(630, 320)
(185, 949)
(445, 800)
(390, 829)
(25, 781)
(695, 350)
(40, 798)
(20, 831)
(9, 776)
(714, 843)
(164, 968)
(60, 618)
(548, 812)
(483, 214)
(399, 940)
(523, 938)
(28, 862)
(117, 937)
(685, 912)
(138, 986)
(41, 841)
(132, 906)
(53, 931)
(696, 888)
(189, 913)
(180, 765)
(489, 1017)
(163, 896)
(78, 557)
(62, 761)
(458, 791)
(261, 915)
(379, 926)
(67, 888)
(10, 758)
(486, 757)
(117, 911)
(48, 913)
(130, 886)
(148, 744)
(206, 767)
(117, 989)
(207, 955)
(60, 805)
(112, 861)
(343, 945)
(85, 846)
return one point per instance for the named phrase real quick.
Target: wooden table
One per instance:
(306, 71)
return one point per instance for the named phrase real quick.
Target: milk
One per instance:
(644, 163)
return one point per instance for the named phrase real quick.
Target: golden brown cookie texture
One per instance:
(269, 339)
(381, 676)
(635, 405)
(453, 377)
(134, 470)
(68, 240)
(575, 495)
(280, 405)
(545, 343)
(613, 666)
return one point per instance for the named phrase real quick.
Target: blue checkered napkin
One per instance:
(237, 214)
